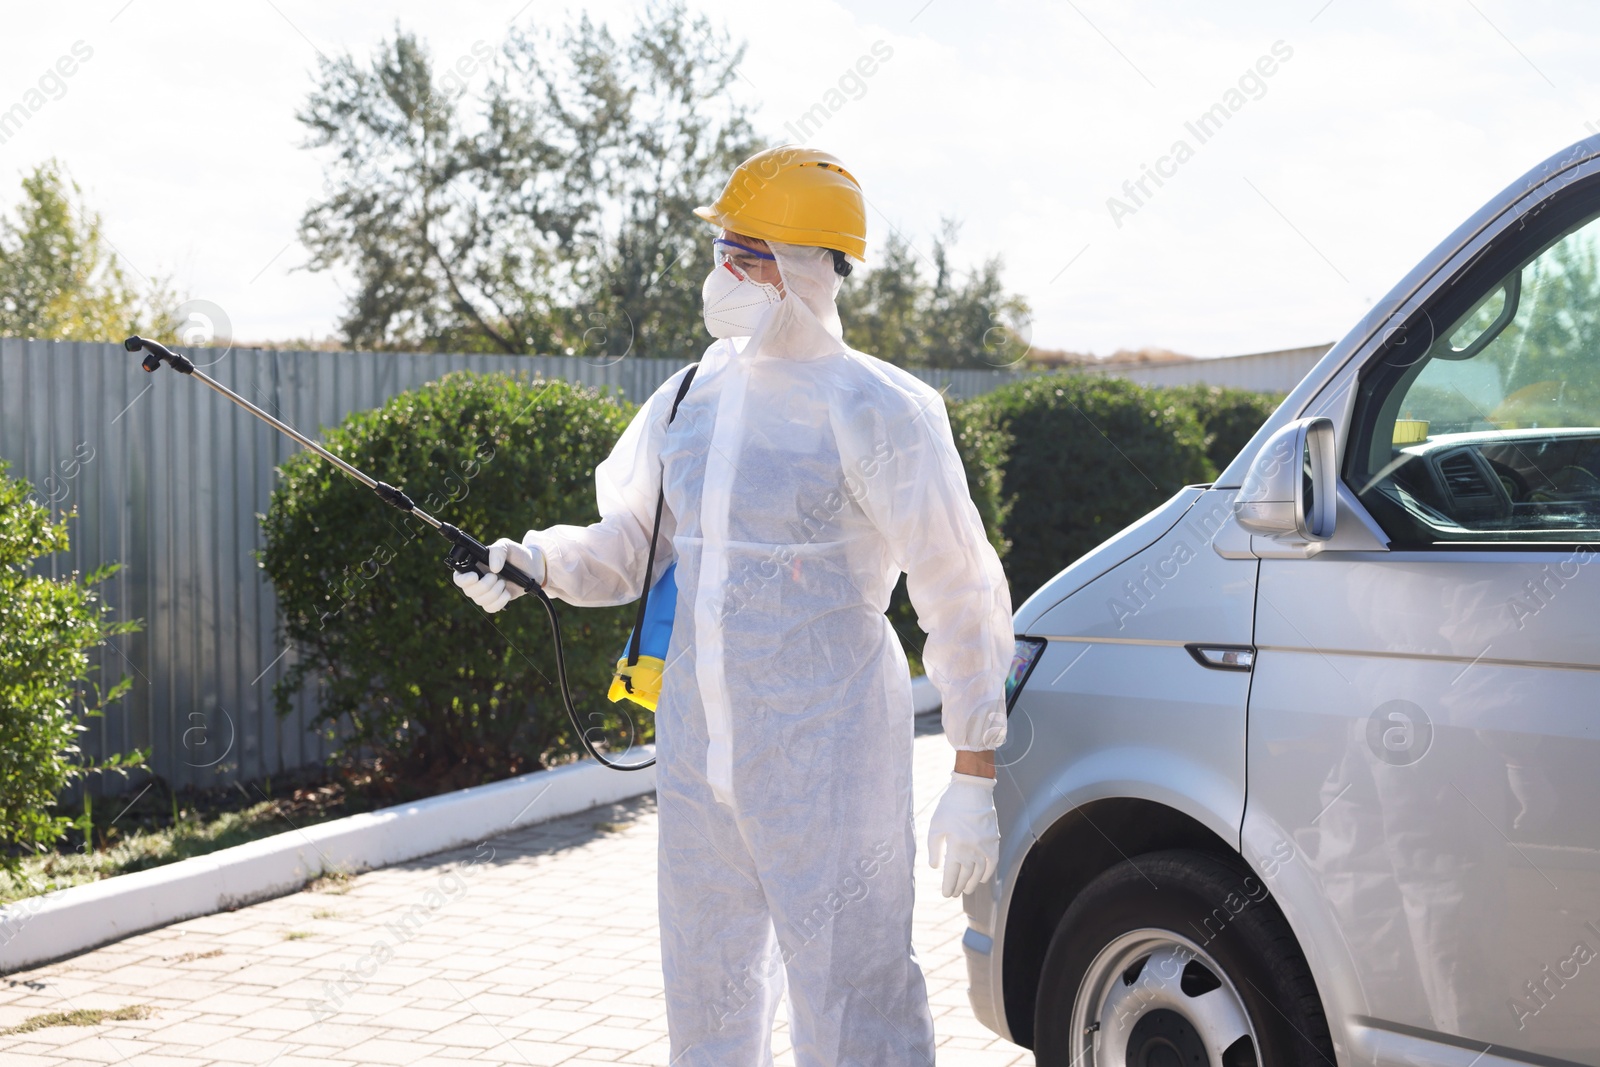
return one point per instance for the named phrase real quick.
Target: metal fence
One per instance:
(1263, 372)
(167, 479)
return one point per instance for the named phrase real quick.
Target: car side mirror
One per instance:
(1289, 493)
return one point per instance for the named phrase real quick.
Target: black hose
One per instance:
(566, 693)
(466, 555)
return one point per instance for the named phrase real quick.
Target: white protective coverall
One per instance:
(801, 477)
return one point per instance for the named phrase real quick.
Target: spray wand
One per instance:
(467, 554)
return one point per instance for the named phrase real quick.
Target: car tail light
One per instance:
(1027, 653)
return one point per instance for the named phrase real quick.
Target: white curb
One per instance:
(48, 927)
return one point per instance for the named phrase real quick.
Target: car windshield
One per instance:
(1542, 367)
(1492, 430)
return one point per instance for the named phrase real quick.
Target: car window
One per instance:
(1489, 427)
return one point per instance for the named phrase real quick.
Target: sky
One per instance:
(1348, 138)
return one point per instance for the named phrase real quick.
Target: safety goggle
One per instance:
(742, 257)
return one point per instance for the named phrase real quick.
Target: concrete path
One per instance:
(539, 947)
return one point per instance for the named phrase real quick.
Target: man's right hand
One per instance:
(492, 592)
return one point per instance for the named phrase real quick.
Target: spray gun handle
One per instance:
(468, 554)
(155, 352)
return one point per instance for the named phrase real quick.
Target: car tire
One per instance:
(1177, 958)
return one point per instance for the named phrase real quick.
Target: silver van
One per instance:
(1304, 766)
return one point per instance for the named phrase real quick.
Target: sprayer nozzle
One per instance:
(133, 344)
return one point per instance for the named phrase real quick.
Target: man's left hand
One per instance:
(965, 832)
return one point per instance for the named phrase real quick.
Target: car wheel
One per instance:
(1177, 959)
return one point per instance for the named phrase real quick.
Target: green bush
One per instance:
(983, 448)
(1229, 417)
(47, 628)
(1085, 457)
(411, 673)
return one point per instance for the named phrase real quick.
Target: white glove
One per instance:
(966, 831)
(492, 592)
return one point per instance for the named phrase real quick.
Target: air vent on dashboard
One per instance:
(1463, 477)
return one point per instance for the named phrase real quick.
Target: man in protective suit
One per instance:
(801, 478)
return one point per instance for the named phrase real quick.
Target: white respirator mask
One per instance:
(733, 304)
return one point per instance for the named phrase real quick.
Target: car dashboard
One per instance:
(1541, 481)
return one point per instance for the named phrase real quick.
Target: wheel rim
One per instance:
(1153, 998)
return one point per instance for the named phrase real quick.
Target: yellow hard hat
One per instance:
(796, 196)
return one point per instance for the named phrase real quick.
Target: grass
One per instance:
(82, 1017)
(296, 935)
(141, 850)
(152, 832)
(158, 826)
(335, 881)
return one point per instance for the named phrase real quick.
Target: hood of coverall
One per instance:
(805, 323)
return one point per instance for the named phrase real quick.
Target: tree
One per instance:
(1548, 349)
(59, 278)
(952, 320)
(558, 219)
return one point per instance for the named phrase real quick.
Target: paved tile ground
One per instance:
(536, 948)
